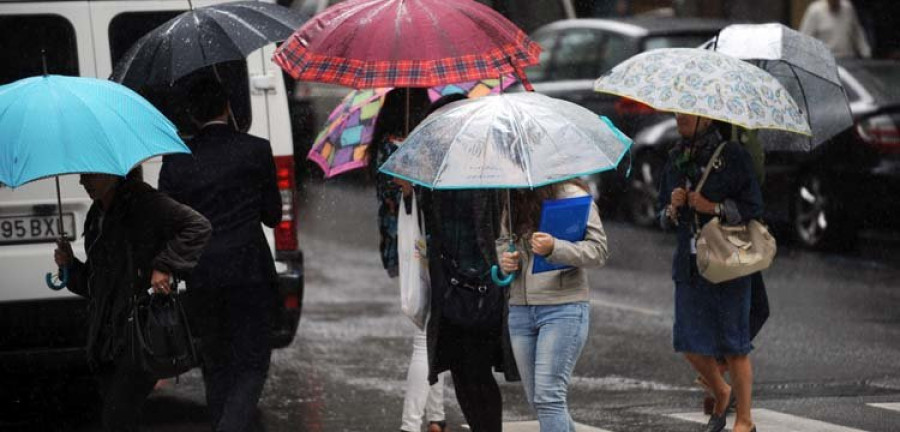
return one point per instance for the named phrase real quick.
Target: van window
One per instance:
(126, 28)
(23, 37)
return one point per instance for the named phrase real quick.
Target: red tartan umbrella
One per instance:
(406, 43)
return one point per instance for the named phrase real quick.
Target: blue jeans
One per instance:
(547, 341)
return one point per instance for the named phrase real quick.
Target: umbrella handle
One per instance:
(495, 271)
(63, 279)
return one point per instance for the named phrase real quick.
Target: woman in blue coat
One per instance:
(711, 320)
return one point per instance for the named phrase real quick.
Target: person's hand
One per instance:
(405, 186)
(509, 262)
(678, 198)
(160, 282)
(701, 204)
(542, 243)
(63, 254)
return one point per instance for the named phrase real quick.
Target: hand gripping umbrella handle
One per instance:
(495, 271)
(63, 279)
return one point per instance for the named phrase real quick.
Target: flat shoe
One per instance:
(715, 424)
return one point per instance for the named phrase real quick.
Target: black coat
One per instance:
(467, 213)
(229, 179)
(160, 234)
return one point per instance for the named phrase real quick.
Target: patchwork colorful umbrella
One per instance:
(406, 43)
(342, 143)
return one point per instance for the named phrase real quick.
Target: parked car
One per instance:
(824, 197)
(577, 51)
(44, 330)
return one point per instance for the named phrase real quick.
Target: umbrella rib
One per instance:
(526, 157)
(237, 19)
(443, 166)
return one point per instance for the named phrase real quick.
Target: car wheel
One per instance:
(818, 223)
(643, 191)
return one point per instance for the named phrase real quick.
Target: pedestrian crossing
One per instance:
(887, 406)
(765, 419)
(774, 421)
(533, 426)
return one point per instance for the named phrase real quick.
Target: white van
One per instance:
(41, 329)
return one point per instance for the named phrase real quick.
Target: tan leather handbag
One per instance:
(728, 252)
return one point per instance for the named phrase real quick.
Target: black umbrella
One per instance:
(202, 37)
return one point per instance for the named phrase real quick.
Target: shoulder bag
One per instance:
(729, 252)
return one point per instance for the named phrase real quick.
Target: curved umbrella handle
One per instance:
(495, 275)
(63, 279)
(495, 271)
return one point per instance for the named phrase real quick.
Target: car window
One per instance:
(126, 28)
(22, 39)
(540, 71)
(881, 79)
(578, 55)
(616, 49)
(676, 41)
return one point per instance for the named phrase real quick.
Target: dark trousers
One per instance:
(124, 388)
(234, 324)
(471, 357)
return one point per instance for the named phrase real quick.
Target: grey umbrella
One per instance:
(807, 70)
(202, 37)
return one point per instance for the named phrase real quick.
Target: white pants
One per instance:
(422, 401)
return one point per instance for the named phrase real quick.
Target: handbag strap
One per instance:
(706, 171)
(709, 166)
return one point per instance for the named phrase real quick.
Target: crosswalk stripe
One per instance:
(773, 421)
(888, 406)
(533, 426)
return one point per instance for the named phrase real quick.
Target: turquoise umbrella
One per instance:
(53, 125)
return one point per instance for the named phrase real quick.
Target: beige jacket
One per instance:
(559, 286)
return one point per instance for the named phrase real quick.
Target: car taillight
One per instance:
(286, 230)
(880, 132)
(625, 106)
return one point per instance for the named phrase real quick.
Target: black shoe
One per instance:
(716, 423)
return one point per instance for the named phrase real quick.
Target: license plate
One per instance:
(33, 229)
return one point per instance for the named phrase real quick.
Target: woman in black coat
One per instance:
(164, 239)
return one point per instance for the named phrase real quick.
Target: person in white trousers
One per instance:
(423, 402)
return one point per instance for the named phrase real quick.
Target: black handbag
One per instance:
(163, 346)
(470, 301)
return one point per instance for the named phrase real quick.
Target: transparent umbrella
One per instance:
(807, 70)
(507, 141)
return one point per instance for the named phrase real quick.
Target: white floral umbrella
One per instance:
(707, 84)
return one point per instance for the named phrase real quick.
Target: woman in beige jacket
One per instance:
(549, 312)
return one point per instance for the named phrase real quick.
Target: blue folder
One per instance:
(564, 219)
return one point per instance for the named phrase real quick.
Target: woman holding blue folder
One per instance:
(549, 311)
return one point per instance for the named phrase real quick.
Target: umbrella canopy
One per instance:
(342, 143)
(520, 140)
(804, 66)
(406, 43)
(52, 125)
(202, 37)
(707, 84)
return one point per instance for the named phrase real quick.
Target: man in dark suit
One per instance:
(229, 179)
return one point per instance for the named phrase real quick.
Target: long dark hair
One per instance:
(392, 118)
(526, 204)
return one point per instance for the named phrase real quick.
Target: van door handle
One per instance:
(262, 83)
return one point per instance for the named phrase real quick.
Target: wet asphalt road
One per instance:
(831, 348)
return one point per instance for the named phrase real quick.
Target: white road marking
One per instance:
(888, 406)
(533, 426)
(773, 421)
